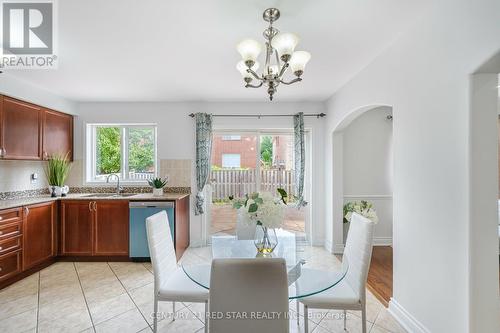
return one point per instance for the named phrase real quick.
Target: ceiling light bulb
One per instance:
(242, 68)
(298, 61)
(249, 50)
(285, 44)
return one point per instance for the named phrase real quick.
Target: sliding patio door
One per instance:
(245, 162)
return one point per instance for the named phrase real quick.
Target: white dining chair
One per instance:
(247, 292)
(170, 282)
(350, 293)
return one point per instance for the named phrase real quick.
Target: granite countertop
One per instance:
(5, 204)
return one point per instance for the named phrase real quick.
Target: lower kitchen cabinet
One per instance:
(77, 230)
(39, 233)
(94, 228)
(111, 227)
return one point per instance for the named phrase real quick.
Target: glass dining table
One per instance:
(303, 278)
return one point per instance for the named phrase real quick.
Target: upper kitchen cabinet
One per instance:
(21, 130)
(57, 134)
(31, 132)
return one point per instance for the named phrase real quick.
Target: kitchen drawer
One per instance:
(10, 244)
(10, 230)
(11, 215)
(10, 264)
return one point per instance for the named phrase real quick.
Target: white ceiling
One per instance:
(157, 50)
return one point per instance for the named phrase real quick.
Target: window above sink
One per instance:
(127, 150)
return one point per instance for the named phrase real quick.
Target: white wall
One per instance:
(424, 76)
(176, 137)
(367, 166)
(23, 90)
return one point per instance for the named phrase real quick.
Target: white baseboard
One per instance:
(382, 241)
(338, 249)
(410, 323)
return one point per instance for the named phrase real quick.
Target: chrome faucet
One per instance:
(118, 188)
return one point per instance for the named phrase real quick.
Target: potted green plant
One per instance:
(57, 170)
(158, 184)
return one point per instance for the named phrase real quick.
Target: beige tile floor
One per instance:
(118, 297)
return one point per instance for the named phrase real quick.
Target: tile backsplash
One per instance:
(178, 171)
(16, 175)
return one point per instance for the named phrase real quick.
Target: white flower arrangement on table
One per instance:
(363, 208)
(261, 208)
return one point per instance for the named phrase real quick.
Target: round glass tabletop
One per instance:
(303, 278)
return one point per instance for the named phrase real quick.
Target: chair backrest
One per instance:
(161, 247)
(358, 251)
(249, 295)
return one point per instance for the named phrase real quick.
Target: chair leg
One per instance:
(155, 315)
(298, 310)
(206, 317)
(345, 320)
(306, 319)
(363, 316)
(173, 311)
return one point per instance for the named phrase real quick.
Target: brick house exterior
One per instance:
(239, 151)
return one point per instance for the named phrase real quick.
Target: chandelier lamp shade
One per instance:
(280, 55)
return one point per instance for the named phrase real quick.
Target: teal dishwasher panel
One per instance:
(139, 211)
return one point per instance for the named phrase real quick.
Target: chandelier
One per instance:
(281, 46)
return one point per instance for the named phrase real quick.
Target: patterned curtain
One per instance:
(203, 157)
(300, 158)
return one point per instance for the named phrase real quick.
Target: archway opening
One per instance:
(364, 156)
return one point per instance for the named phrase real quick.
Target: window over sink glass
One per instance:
(127, 150)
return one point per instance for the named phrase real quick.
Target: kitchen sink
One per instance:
(109, 195)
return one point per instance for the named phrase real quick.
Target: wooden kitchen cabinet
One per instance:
(21, 130)
(77, 227)
(181, 226)
(111, 227)
(57, 134)
(94, 227)
(39, 233)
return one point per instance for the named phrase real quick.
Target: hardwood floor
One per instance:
(380, 274)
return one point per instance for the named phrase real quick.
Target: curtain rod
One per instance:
(317, 115)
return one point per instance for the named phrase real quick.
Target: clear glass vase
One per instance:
(265, 239)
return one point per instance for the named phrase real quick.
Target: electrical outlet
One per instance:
(34, 178)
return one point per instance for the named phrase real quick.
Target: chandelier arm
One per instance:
(248, 85)
(291, 82)
(283, 70)
(255, 75)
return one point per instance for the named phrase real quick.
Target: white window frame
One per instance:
(231, 137)
(91, 152)
(232, 155)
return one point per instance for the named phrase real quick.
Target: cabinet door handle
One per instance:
(1, 248)
(26, 211)
(1, 233)
(95, 206)
(1, 218)
(0, 269)
(45, 155)
(90, 206)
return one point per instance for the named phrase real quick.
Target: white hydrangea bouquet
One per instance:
(363, 208)
(266, 212)
(261, 208)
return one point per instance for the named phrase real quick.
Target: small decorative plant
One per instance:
(363, 208)
(265, 211)
(57, 170)
(158, 184)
